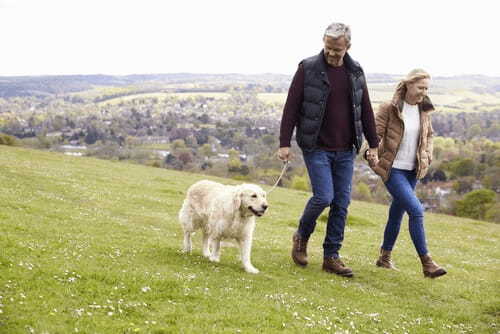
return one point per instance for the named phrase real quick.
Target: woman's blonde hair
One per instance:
(413, 76)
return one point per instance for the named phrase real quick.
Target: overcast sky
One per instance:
(244, 36)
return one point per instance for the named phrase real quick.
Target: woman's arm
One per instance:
(381, 120)
(430, 145)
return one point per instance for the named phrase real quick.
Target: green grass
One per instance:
(93, 246)
(160, 95)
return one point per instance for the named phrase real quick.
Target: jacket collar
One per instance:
(351, 65)
(424, 106)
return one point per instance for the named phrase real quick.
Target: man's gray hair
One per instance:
(337, 30)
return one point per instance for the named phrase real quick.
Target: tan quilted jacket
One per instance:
(390, 129)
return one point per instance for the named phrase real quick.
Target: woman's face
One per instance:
(416, 91)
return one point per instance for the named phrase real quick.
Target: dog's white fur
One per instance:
(222, 212)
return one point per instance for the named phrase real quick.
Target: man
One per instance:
(328, 103)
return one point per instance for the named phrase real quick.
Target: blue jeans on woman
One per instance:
(401, 185)
(330, 174)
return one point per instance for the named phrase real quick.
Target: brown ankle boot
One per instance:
(431, 269)
(299, 250)
(385, 261)
(336, 266)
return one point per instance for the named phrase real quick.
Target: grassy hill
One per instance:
(93, 246)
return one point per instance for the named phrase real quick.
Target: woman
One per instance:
(403, 156)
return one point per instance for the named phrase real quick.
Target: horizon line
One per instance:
(225, 73)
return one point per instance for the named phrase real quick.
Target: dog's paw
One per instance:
(252, 270)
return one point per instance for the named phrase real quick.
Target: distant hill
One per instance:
(47, 85)
(63, 84)
(92, 246)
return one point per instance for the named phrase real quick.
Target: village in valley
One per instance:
(228, 125)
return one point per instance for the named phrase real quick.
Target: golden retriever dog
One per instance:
(222, 212)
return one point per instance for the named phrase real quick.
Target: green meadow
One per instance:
(117, 100)
(93, 246)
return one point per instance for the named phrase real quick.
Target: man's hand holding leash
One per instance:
(284, 154)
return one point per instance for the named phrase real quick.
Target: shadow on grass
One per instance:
(175, 257)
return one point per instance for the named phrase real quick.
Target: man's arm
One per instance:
(369, 128)
(291, 112)
(368, 120)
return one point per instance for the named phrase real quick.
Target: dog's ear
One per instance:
(238, 193)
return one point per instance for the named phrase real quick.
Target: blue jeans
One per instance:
(330, 174)
(401, 185)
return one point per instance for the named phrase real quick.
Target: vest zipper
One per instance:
(353, 97)
(323, 111)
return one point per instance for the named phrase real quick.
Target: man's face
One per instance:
(335, 49)
(417, 90)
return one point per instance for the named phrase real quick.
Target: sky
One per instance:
(118, 37)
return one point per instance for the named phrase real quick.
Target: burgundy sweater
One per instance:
(337, 130)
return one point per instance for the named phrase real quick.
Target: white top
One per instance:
(407, 154)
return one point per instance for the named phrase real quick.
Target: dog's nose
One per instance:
(264, 207)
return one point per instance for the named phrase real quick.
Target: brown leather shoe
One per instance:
(385, 261)
(299, 250)
(336, 266)
(431, 269)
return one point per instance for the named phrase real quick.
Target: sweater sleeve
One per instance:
(368, 120)
(292, 107)
(430, 145)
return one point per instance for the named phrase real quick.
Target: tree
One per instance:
(185, 156)
(92, 136)
(244, 170)
(269, 140)
(439, 175)
(178, 144)
(7, 140)
(459, 167)
(206, 150)
(475, 204)
(380, 193)
(300, 183)
(463, 185)
(191, 141)
(493, 213)
(234, 154)
(205, 119)
(474, 131)
(362, 192)
(491, 180)
(463, 167)
(172, 162)
(234, 165)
